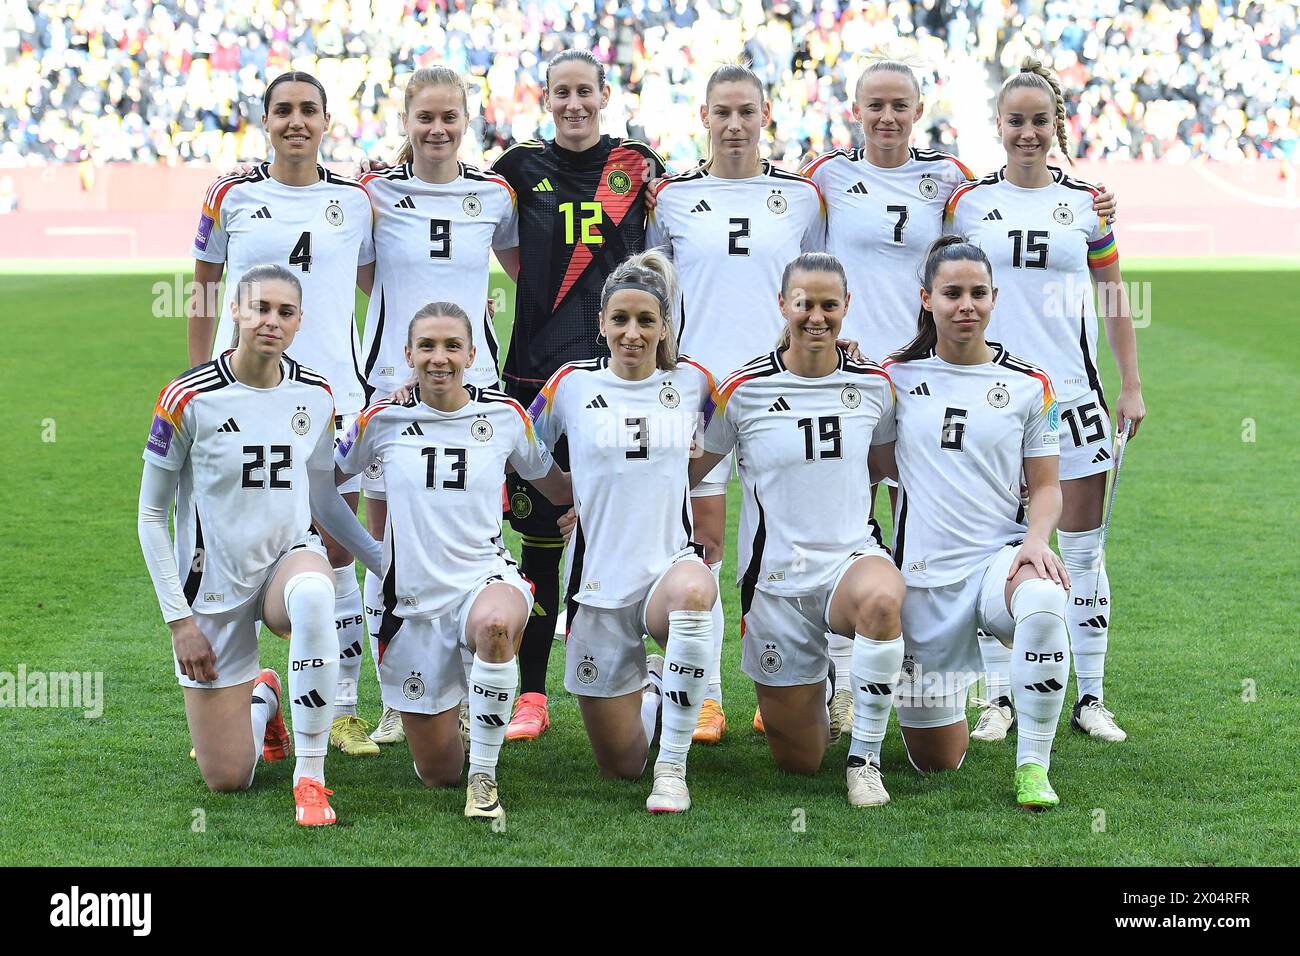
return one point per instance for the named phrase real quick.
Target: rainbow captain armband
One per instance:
(1103, 252)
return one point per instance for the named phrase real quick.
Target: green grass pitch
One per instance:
(1203, 670)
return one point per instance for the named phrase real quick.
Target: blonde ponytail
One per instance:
(1035, 74)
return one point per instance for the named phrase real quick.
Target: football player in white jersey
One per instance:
(448, 579)
(631, 421)
(1050, 249)
(437, 222)
(805, 421)
(242, 445)
(971, 419)
(731, 226)
(293, 212)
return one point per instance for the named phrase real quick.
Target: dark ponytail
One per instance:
(944, 249)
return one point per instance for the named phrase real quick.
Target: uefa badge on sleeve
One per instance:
(301, 421)
(481, 429)
(1063, 215)
(998, 396)
(928, 188)
(850, 396)
(472, 205)
(668, 397)
(777, 203)
(334, 214)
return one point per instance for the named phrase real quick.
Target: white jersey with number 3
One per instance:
(802, 446)
(964, 432)
(629, 451)
(320, 233)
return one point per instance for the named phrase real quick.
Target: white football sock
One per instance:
(372, 599)
(875, 668)
(1040, 668)
(1088, 623)
(313, 669)
(997, 666)
(349, 621)
(264, 705)
(491, 694)
(651, 700)
(686, 670)
(714, 690)
(841, 649)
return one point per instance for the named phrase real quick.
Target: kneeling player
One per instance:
(804, 419)
(448, 580)
(631, 420)
(970, 418)
(242, 444)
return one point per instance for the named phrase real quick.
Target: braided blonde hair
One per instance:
(1035, 74)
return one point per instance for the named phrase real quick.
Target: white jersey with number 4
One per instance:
(1042, 244)
(879, 224)
(433, 242)
(443, 473)
(964, 432)
(730, 240)
(320, 233)
(243, 455)
(802, 447)
(629, 451)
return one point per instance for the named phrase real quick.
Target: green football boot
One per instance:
(1033, 792)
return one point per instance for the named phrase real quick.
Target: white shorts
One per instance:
(604, 652)
(783, 639)
(421, 670)
(342, 425)
(715, 482)
(233, 634)
(941, 651)
(1087, 420)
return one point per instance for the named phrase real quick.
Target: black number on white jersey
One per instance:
(257, 462)
(301, 255)
(901, 212)
(456, 461)
(828, 431)
(1029, 249)
(440, 238)
(1087, 418)
(739, 231)
(954, 429)
(641, 437)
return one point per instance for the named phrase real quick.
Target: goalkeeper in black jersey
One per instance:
(581, 212)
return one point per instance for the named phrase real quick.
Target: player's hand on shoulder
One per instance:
(1045, 562)
(370, 166)
(567, 522)
(240, 169)
(402, 394)
(851, 346)
(1104, 204)
(1130, 409)
(193, 652)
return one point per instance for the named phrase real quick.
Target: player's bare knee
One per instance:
(492, 642)
(229, 779)
(877, 614)
(798, 761)
(698, 593)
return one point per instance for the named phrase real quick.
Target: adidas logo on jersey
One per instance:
(702, 206)
(994, 216)
(412, 429)
(1102, 455)
(262, 213)
(922, 389)
(597, 402)
(406, 203)
(780, 405)
(229, 426)
(544, 186)
(859, 188)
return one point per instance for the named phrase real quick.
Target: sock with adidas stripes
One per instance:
(997, 667)
(491, 695)
(686, 676)
(313, 669)
(349, 623)
(875, 666)
(714, 690)
(372, 598)
(1088, 622)
(1040, 668)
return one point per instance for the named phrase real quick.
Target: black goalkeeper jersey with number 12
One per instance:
(580, 215)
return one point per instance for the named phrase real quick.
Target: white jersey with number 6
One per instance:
(730, 240)
(629, 451)
(802, 446)
(964, 432)
(243, 454)
(433, 242)
(321, 233)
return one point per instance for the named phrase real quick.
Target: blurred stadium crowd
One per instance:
(181, 80)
